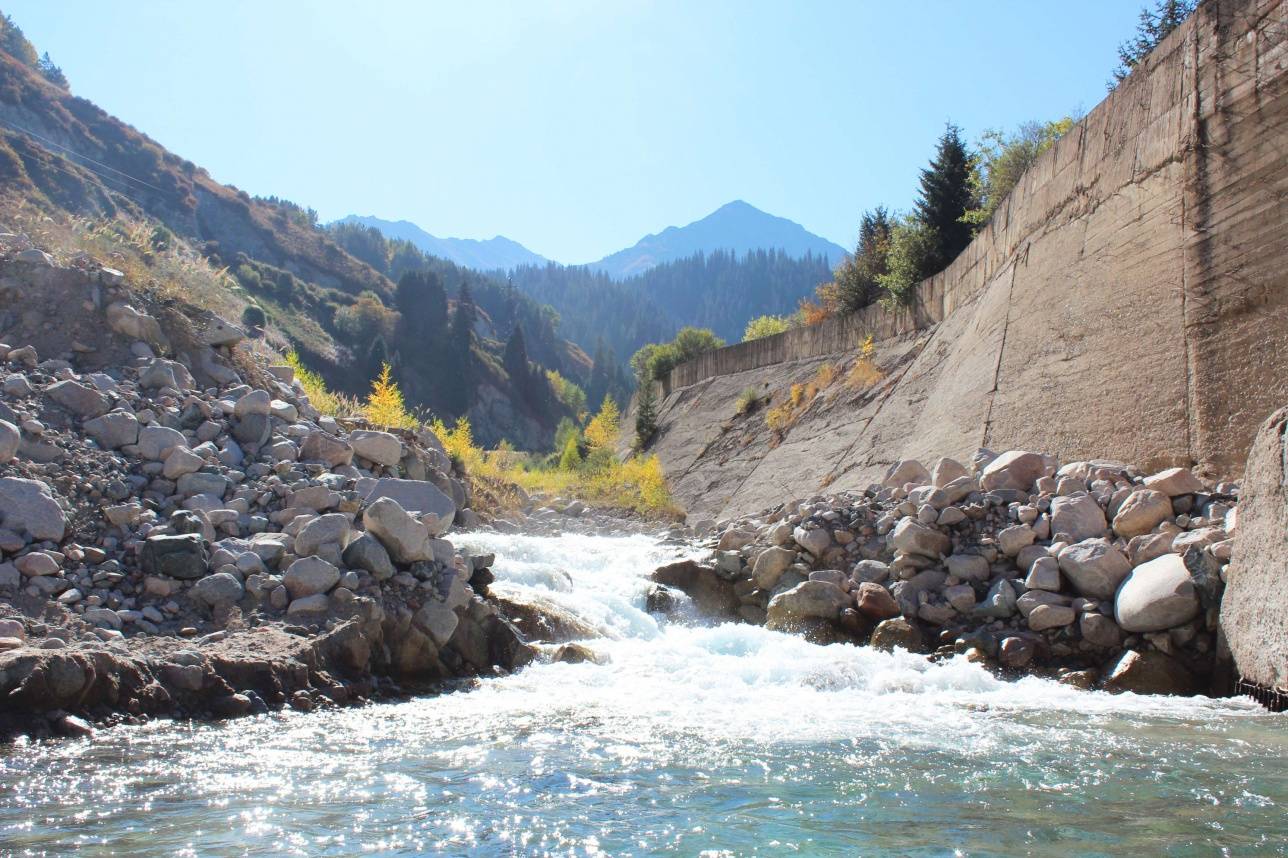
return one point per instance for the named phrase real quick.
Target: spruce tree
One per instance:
(1154, 26)
(645, 414)
(422, 301)
(945, 198)
(515, 361)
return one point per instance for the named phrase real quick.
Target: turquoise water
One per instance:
(692, 740)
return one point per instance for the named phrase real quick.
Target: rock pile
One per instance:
(1091, 570)
(146, 517)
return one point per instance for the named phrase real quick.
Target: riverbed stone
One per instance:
(1150, 672)
(219, 590)
(80, 399)
(875, 602)
(309, 576)
(1157, 595)
(383, 448)
(28, 506)
(417, 497)
(1175, 481)
(770, 566)
(181, 556)
(808, 600)
(157, 441)
(368, 554)
(912, 537)
(403, 536)
(1078, 516)
(1016, 470)
(1141, 512)
(10, 441)
(897, 632)
(906, 471)
(1095, 567)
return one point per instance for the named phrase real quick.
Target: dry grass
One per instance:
(783, 416)
(864, 373)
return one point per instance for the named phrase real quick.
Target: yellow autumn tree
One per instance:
(385, 406)
(604, 427)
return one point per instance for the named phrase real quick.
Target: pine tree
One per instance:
(460, 363)
(645, 414)
(1154, 26)
(51, 72)
(515, 360)
(945, 197)
(377, 358)
(422, 301)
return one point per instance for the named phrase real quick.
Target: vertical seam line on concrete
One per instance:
(1188, 187)
(1001, 348)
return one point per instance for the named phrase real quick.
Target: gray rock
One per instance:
(383, 448)
(1141, 512)
(1100, 631)
(181, 556)
(808, 600)
(181, 461)
(814, 541)
(219, 590)
(329, 450)
(156, 441)
(319, 498)
(906, 471)
(332, 529)
(1045, 617)
(1044, 574)
(253, 429)
(1016, 470)
(318, 603)
(1174, 482)
(968, 567)
(113, 431)
(1079, 516)
(29, 506)
(403, 536)
(80, 399)
(944, 471)
(367, 553)
(1000, 601)
(1150, 672)
(438, 621)
(734, 538)
(10, 439)
(1095, 567)
(770, 566)
(1011, 539)
(1156, 596)
(873, 571)
(310, 576)
(255, 403)
(415, 496)
(202, 483)
(912, 537)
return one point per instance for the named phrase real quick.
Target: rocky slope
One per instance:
(1090, 571)
(182, 533)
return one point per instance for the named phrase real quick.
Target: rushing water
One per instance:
(693, 740)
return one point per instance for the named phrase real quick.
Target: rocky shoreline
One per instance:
(182, 534)
(1090, 572)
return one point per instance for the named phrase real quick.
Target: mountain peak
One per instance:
(736, 226)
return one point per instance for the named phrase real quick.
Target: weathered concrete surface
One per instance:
(1254, 610)
(1129, 300)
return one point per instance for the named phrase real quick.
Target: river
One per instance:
(691, 740)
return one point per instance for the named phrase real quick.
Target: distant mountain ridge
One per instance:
(737, 226)
(480, 255)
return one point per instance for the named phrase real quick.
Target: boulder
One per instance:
(912, 537)
(815, 541)
(1095, 567)
(712, 595)
(1174, 482)
(322, 447)
(332, 529)
(735, 538)
(10, 440)
(438, 621)
(80, 399)
(255, 403)
(181, 556)
(1000, 601)
(181, 461)
(367, 553)
(770, 566)
(870, 570)
(318, 603)
(968, 567)
(415, 496)
(1141, 512)
(1015, 651)
(310, 576)
(1157, 595)
(1100, 631)
(1044, 574)
(906, 471)
(1149, 672)
(1079, 516)
(382, 448)
(403, 536)
(1050, 616)
(155, 442)
(945, 471)
(1016, 470)
(218, 591)
(1011, 539)
(808, 600)
(875, 602)
(113, 431)
(28, 506)
(897, 632)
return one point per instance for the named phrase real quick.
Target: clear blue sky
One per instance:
(577, 127)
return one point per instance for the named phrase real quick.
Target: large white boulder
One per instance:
(1157, 595)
